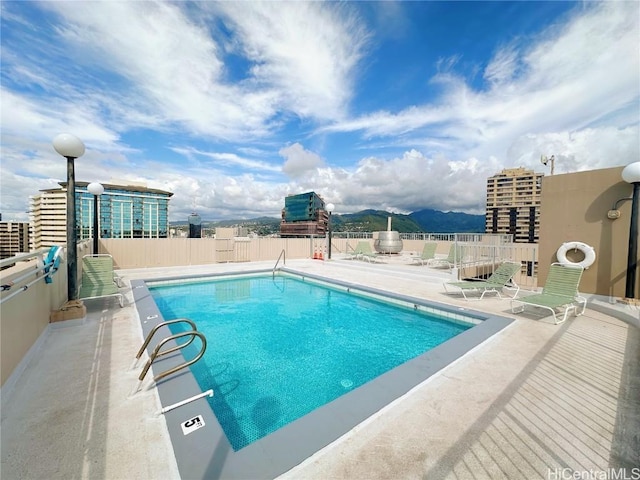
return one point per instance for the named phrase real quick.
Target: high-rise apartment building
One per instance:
(124, 211)
(14, 238)
(48, 219)
(513, 204)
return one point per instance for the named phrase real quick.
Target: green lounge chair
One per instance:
(357, 251)
(428, 254)
(455, 256)
(98, 278)
(560, 292)
(501, 278)
(355, 254)
(365, 252)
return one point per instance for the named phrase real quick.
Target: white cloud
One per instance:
(307, 51)
(298, 161)
(165, 57)
(571, 77)
(410, 182)
(301, 61)
(404, 183)
(223, 159)
(219, 196)
(27, 118)
(587, 149)
(503, 66)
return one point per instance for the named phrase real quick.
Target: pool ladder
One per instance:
(193, 333)
(282, 255)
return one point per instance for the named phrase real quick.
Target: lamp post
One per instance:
(631, 174)
(70, 147)
(330, 207)
(96, 189)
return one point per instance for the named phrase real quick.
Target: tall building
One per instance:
(48, 219)
(195, 226)
(124, 211)
(303, 214)
(513, 204)
(14, 238)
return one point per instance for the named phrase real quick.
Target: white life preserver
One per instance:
(588, 251)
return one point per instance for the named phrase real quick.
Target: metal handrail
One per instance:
(21, 257)
(156, 353)
(157, 327)
(40, 267)
(282, 255)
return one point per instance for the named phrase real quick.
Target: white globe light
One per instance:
(68, 145)
(330, 207)
(95, 188)
(631, 173)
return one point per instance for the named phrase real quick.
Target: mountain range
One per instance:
(426, 220)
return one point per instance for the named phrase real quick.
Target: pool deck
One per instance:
(537, 400)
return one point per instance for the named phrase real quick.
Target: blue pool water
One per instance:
(281, 347)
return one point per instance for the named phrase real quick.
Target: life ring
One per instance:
(588, 251)
(52, 262)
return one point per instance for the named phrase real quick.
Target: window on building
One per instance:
(122, 218)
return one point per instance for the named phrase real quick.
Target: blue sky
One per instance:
(396, 106)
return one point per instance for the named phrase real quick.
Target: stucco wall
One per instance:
(25, 316)
(574, 208)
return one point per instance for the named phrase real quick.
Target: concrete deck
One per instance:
(534, 400)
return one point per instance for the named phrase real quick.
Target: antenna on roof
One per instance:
(545, 160)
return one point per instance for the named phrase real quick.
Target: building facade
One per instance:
(304, 214)
(14, 238)
(48, 219)
(124, 211)
(513, 204)
(586, 197)
(195, 226)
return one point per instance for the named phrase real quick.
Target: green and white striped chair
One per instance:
(428, 254)
(501, 278)
(98, 278)
(560, 292)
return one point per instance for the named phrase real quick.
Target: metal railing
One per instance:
(156, 353)
(40, 270)
(435, 237)
(158, 327)
(282, 255)
(20, 258)
(477, 255)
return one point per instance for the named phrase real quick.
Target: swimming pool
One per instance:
(282, 347)
(208, 453)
